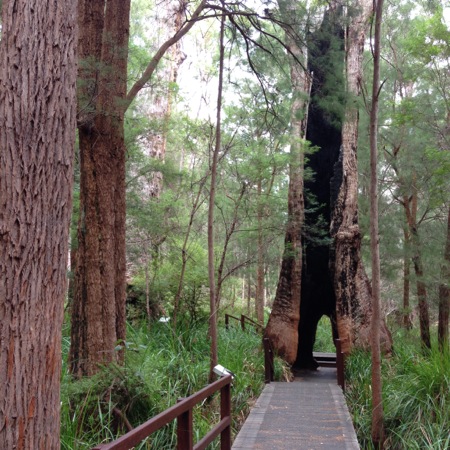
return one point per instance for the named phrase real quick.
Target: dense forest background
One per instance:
(253, 168)
(191, 174)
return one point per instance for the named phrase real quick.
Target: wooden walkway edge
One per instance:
(309, 413)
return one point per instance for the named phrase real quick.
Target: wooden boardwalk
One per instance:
(310, 413)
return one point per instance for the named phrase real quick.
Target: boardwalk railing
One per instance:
(182, 411)
(243, 320)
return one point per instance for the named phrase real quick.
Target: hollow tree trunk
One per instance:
(282, 327)
(37, 136)
(352, 287)
(326, 63)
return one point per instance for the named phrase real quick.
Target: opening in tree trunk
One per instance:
(324, 134)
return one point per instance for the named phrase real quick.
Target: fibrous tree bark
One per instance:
(352, 287)
(282, 327)
(98, 312)
(333, 279)
(37, 136)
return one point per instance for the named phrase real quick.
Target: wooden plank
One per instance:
(308, 413)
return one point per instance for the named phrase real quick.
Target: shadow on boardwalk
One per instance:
(310, 413)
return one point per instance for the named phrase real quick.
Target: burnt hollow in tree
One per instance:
(324, 134)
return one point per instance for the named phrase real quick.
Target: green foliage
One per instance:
(324, 336)
(160, 367)
(415, 395)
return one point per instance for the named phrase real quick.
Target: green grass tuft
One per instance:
(415, 394)
(160, 367)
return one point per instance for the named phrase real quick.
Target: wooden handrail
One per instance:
(252, 322)
(183, 412)
(243, 319)
(227, 320)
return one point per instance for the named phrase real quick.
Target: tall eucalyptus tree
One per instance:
(98, 311)
(282, 328)
(37, 137)
(352, 286)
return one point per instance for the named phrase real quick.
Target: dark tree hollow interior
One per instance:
(322, 181)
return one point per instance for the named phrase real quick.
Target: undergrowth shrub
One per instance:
(416, 397)
(160, 367)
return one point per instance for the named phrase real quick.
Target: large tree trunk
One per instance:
(282, 327)
(169, 15)
(352, 287)
(37, 135)
(98, 314)
(326, 62)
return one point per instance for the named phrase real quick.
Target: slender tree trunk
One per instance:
(444, 295)
(147, 281)
(184, 250)
(221, 276)
(424, 318)
(410, 205)
(282, 327)
(212, 191)
(249, 294)
(260, 271)
(407, 323)
(37, 136)
(377, 400)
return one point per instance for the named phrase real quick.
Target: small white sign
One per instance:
(164, 319)
(221, 371)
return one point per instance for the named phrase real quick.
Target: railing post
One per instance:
(268, 361)
(340, 365)
(185, 439)
(225, 411)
